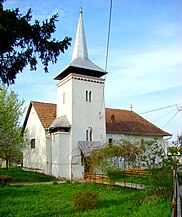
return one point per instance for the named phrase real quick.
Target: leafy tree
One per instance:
(11, 139)
(21, 43)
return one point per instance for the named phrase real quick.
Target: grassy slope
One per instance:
(55, 200)
(18, 175)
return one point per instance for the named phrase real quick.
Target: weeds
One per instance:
(5, 180)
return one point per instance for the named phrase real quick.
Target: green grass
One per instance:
(56, 200)
(137, 179)
(158, 173)
(19, 175)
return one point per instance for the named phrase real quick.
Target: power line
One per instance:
(171, 119)
(107, 51)
(164, 115)
(108, 38)
(161, 108)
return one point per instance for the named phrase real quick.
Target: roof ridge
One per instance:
(32, 101)
(121, 109)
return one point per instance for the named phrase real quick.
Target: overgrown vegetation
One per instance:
(56, 200)
(5, 180)
(19, 175)
(115, 159)
(84, 200)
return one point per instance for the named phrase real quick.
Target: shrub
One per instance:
(115, 174)
(5, 180)
(85, 200)
(160, 182)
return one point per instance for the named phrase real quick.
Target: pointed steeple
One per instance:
(80, 46)
(80, 63)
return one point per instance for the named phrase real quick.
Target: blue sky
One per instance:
(144, 62)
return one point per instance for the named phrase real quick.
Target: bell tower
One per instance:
(80, 97)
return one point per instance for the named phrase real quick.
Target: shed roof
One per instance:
(60, 122)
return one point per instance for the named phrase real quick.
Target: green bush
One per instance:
(84, 200)
(160, 182)
(5, 180)
(115, 174)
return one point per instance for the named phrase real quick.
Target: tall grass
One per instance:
(56, 200)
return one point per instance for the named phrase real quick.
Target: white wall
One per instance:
(82, 114)
(35, 158)
(117, 136)
(61, 158)
(65, 87)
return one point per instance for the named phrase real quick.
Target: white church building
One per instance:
(61, 135)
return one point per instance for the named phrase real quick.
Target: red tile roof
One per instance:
(128, 122)
(117, 120)
(45, 111)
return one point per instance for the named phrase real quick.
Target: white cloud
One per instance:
(144, 72)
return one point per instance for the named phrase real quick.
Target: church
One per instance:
(61, 135)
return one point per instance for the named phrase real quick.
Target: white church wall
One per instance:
(35, 158)
(64, 98)
(61, 158)
(88, 115)
(116, 137)
(132, 138)
(83, 114)
(48, 154)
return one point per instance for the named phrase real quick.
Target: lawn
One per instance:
(19, 175)
(56, 200)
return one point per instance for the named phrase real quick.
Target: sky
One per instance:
(144, 61)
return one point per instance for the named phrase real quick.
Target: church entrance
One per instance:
(87, 164)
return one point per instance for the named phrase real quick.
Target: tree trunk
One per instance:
(7, 164)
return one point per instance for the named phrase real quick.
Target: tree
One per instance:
(21, 43)
(11, 139)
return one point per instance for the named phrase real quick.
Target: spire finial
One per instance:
(81, 10)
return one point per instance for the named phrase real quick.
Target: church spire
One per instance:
(80, 46)
(80, 63)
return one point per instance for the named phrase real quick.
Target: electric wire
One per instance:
(160, 108)
(170, 119)
(164, 115)
(169, 106)
(108, 38)
(107, 52)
